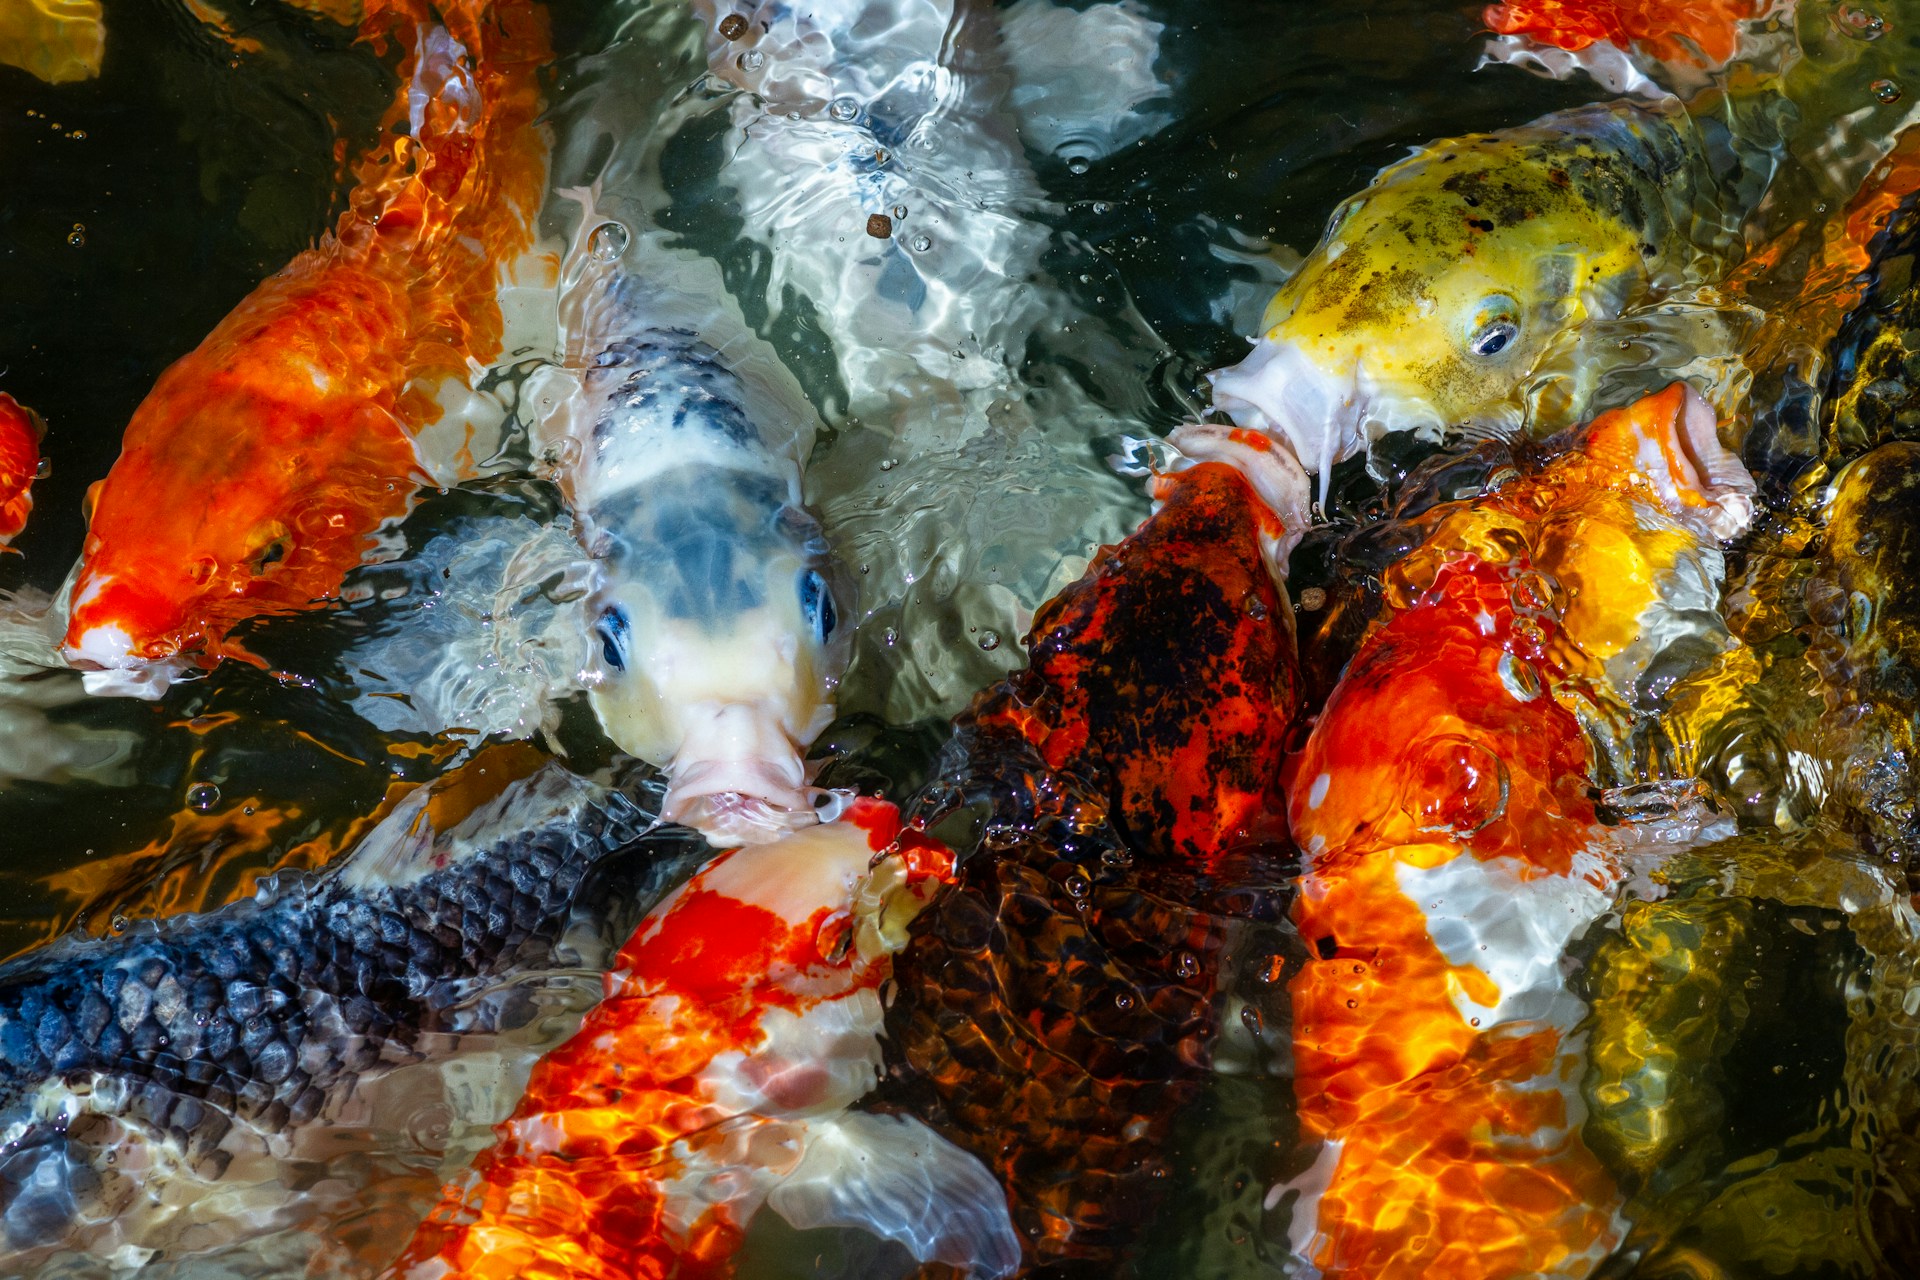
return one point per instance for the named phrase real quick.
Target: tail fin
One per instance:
(900, 1180)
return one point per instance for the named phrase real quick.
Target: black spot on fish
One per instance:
(1480, 224)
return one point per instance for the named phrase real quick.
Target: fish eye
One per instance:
(1493, 335)
(816, 605)
(612, 629)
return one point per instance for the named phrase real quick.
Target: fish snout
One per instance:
(1280, 390)
(738, 777)
(111, 649)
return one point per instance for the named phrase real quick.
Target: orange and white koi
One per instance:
(741, 1020)
(1445, 803)
(20, 433)
(258, 469)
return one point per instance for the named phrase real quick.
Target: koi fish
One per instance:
(136, 1065)
(60, 41)
(714, 603)
(1618, 42)
(20, 433)
(1059, 1006)
(1445, 802)
(258, 469)
(741, 1020)
(1437, 294)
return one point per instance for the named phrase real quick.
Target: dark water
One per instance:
(203, 169)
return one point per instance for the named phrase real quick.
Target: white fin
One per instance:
(895, 1177)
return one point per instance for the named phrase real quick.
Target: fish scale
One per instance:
(270, 1009)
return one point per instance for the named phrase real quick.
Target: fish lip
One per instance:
(1282, 391)
(739, 778)
(103, 655)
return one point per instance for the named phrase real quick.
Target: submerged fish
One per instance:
(135, 1069)
(20, 432)
(1446, 803)
(1060, 1005)
(59, 41)
(741, 1020)
(714, 602)
(256, 472)
(1437, 293)
(1620, 42)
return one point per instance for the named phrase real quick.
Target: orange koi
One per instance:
(1700, 33)
(256, 472)
(1445, 804)
(20, 433)
(741, 1020)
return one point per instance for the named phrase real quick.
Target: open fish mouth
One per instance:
(1325, 415)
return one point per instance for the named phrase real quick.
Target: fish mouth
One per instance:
(103, 655)
(738, 778)
(1281, 391)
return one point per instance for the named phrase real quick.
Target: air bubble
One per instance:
(1077, 885)
(989, 640)
(78, 236)
(1101, 206)
(899, 212)
(921, 243)
(1860, 22)
(1187, 965)
(752, 60)
(608, 242)
(844, 109)
(1077, 166)
(1885, 92)
(202, 796)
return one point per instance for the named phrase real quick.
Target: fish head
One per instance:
(719, 638)
(1430, 299)
(184, 544)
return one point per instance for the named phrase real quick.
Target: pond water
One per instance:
(1087, 208)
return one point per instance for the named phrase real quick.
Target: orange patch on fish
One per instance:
(1688, 32)
(20, 432)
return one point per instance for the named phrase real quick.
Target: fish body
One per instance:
(1059, 1006)
(1437, 292)
(159, 1056)
(715, 603)
(1445, 802)
(60, 41)
(256, 472)
(20, 432)
(1631, 46)
(741, 1020)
